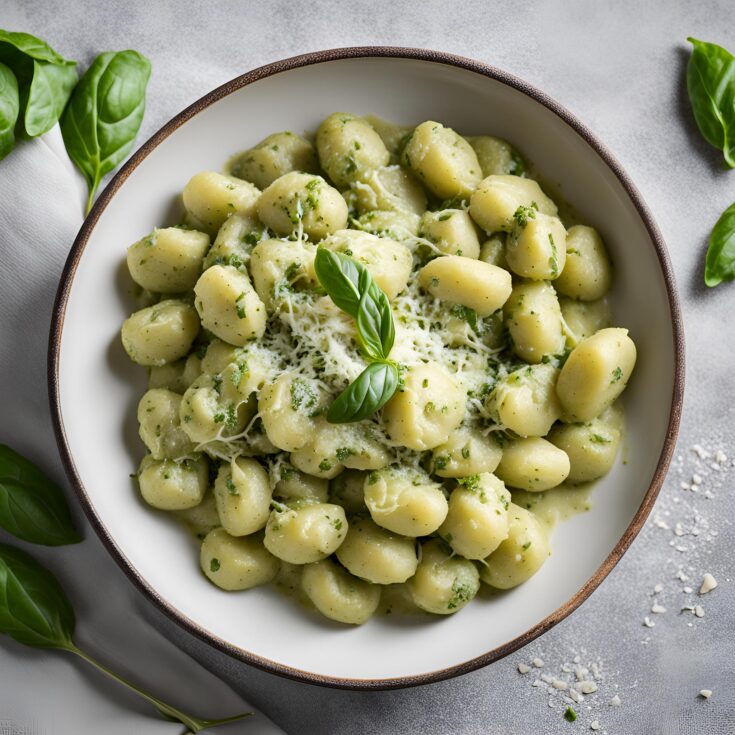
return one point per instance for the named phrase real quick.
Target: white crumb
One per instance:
(615, 701)
(708, 584)
(538, 663)
(587, 687)
(705, 693)
(594, 725)
(699, 611)
(658, 609)
(523, 668)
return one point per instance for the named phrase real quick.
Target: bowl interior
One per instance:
(98, 388)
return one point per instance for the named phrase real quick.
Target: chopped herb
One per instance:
(472, 483)
(444, 217)
(441, 462)
(460, 593)
(617, 375)
(343, 452)
(465, 314)
(337, 523)
(523, 214)
(230, 485)
(325, 465)
(218, 418)
(465, 452)
(373, 477)
(303, 394)
(553, 260)
(217, 383)
(599, 439)
(526, 546)
(239, 307)
(214, 565)
(570, 715)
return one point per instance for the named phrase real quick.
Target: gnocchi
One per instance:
(501, 366)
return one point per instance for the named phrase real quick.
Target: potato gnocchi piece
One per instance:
(377, 555)
(496, 156)
(405, 502)
(533, 464)
(521, 555)
(243, 496)
(288, 408)
(160, 426)
(525, 401)
(498, 197)
(295, 485)
(175, 376)
(349, 148)
(236, 563)
(161, 333)
(443, 583)
(305, 532)
(477, 521)
(581, 319)
(587, 273)
(427, 410)
(229, 306)
(173, 485)
(492, 251)
(388, 262)
(210, 198)
(337, 594)
(591, 447)
(235, 240)
(533, 316)
(207, 415)
(479, 286)
(200, 519)
(274, 156)
(277, 265)
(452, 231)
(443, 160)
(398, 226)
(296, 199)
(391, 189)
(168, 260)
(596, 373)
(536, 246)
(348, 490)
(466, 452)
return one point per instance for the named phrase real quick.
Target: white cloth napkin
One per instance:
(41, 209)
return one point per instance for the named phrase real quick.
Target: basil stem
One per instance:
(104, 114)
(35, 611)
(711, 87)
(720, 263)
(32, 507)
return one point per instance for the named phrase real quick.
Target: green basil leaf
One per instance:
(368, 393)
(375, 320)
(32, 507)
(33, 607)
(9, 108)
(340, 276)
(45, 79)
(32, 47)
(720, 263)
(48, 94)
(351, 287)
(711, 87)
(104, 114)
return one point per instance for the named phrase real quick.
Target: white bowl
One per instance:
(94, 388)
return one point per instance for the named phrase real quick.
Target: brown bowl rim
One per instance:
(295, 62)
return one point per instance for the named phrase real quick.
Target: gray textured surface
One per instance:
(619, 67)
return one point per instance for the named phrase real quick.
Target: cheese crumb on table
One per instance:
(615, 701)
(699, 611)
(705, 693)
(523, 668)
(708, 584)
(658, 609)
(538, 663)
(594, 725)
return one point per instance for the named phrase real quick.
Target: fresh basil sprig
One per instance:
(35, 611)
(104, 114)
(32, 507)
(720, 263)
(711, 87)
(9, 109)
(352, 288)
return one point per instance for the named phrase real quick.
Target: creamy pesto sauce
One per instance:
(557, 504)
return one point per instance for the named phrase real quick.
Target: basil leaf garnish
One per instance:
(720, 263)
(104, 114)
(34, 610)
(368, 393)
(32, 507)
(711, 87)
(9, 108)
